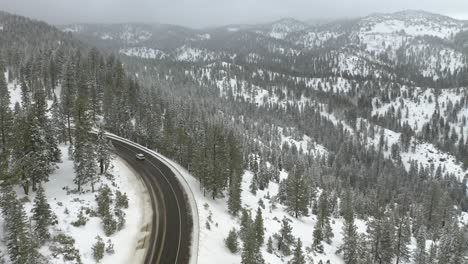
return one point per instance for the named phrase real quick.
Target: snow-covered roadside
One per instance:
(66, 206)
(139, 215)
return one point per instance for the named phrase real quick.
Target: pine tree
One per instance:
(68, 95)
(452, 244)
(458, 246)
(90, 166)
(387, 241)
(270, 245)
(110, 247)
(251, 251)
(121, 199)
(231, 241)
(402, 239)
(98, 249)
(419, 254)
(432, 258)
(285, 238)
(235, 158)
(246, 223)
(42, 216)
(253, 184)
(5, 111)
(350, 246)
(432, 203)
(18, 239)
(322, 229)
(104, 200)
(235, 199)
(201, 165)
(298, 255)
(84, 154)
(59, 129)
(103, 151)
(2, 258)
(263, 176)
(39, 147)
(21, 159)
(218, 157)
(258, 226)
(318, 237)
(7, 199)
(297, 194)
(110, 224)
(25, 94)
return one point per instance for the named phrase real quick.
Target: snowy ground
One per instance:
(425, 154)
(15, 91)
(212, 248)
(67, 206)
(211, 244)
(418, 110)
(143, 52)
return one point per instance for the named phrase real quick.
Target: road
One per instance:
(170, 230)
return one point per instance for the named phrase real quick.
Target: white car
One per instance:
(140, 156)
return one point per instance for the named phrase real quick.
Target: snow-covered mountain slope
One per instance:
(143, 52)
(422, 153)
(184, 53)
(382, 39)
(314, 39)
(412, 23)
(190, 54)
(214, 213)
(134, 35)
(418, 106)
(386, 33)
(126, 33)
(434, 60)
(67, 205)
(372, 98)
(281, 28)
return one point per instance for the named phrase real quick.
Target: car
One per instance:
(140, 156)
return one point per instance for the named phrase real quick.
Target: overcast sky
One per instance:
(202, 13)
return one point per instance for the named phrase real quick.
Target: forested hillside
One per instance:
(54, 91)
(340, 143)
(354, 131)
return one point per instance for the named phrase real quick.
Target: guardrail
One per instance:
(185, 185)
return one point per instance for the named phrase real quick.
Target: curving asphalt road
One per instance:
(171, 227)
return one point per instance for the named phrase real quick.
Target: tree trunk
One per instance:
(34, 185)
(25, 184)
(101, 165)
(3, 132)
(69, 130)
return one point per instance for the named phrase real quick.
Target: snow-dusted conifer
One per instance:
(298, 254)
(42, 215)
(232, 242)
(297, 194)
(259, 228)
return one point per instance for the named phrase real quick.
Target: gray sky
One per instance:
(201, 13)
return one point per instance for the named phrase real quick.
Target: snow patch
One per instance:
(143, 52)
